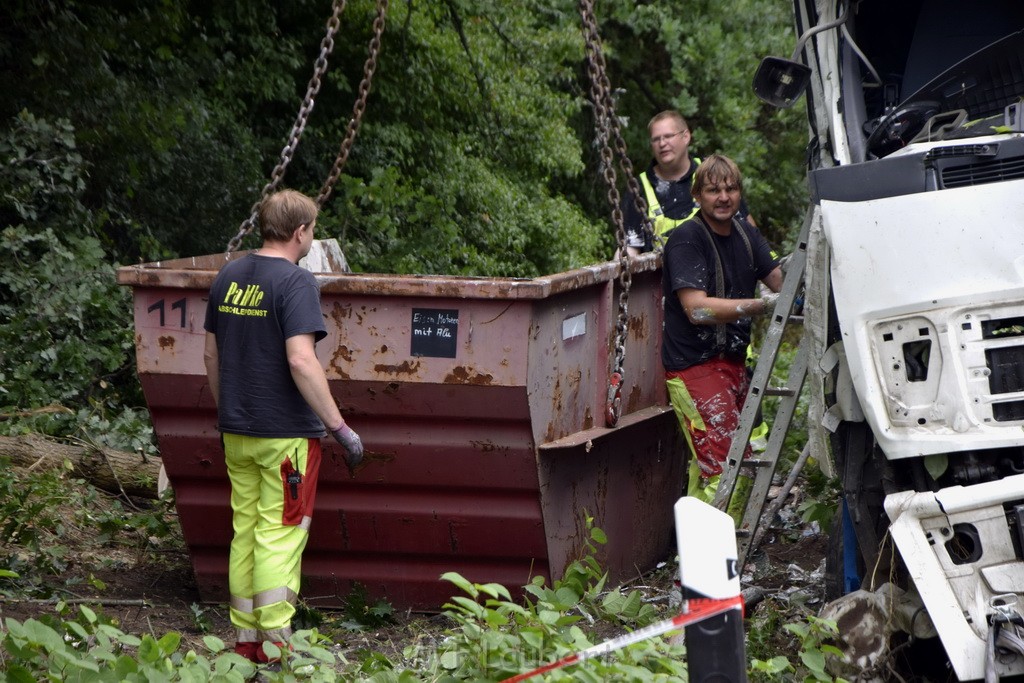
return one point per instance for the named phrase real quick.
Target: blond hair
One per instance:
(668, 114)
(717, 168)
(284, 211)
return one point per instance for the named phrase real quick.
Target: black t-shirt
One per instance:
(256, 303)
(689, 263)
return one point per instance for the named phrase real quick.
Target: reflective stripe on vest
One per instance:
(662, 223)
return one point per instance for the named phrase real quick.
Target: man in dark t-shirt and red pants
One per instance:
(711, 266)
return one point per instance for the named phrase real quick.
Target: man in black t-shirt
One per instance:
(711, 267)
(263, 320)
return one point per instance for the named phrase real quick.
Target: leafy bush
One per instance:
(814, 636)
(65, 325)
(494, 637)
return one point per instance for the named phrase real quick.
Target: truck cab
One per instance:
(916, 299)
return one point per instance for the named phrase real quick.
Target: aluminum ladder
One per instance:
(764, 464)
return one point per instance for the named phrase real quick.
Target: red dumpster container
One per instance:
(481, 404)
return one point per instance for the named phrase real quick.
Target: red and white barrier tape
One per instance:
(697, 610)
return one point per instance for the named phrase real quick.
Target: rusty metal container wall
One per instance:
(485, 443)
(627, 478)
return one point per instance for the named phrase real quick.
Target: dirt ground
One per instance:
(149, 588)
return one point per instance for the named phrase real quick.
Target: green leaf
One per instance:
(533, 638)
(464, 585)
(169, 643)
(613, 602)
(214, 644)
(449, 660)
(77, 629)
(495, 590)
(271, 650)
(798, 629)
(775, 665)
(149, 651)
(470, 606)
(813, 660)
(936, 464)
(16, 673)
(89, 615)
(566, 597)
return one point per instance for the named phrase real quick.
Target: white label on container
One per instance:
(576, 326)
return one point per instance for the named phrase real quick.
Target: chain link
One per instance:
(612, 129)
(608, 133)
(360, 105)
(320, 67)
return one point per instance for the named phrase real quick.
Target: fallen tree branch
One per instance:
(107, 602)
(118, 472)
(113, 471)
(45, 410)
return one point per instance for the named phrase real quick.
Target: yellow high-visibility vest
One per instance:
(662, 223)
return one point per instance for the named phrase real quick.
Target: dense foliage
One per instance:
(64, 323)
(476, 154)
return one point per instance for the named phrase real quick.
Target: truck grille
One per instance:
(1006, 366)
(983, 172)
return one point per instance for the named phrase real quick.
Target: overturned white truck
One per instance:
(916, 300)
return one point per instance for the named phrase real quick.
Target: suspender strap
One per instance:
(720, 333)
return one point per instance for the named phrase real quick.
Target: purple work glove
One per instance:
(352, 443)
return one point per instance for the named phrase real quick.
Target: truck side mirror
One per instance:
(780, 82)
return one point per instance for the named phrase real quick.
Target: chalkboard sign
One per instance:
(434, 332)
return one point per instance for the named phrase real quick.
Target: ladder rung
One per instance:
(779, 391)
(796, 319)
(758, 462)
(743, 533)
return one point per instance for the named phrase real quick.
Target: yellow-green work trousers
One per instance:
(273, 487)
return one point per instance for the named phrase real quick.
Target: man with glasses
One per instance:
(711, 267)
(665, 183)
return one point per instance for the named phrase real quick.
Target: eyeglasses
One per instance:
(665, 138)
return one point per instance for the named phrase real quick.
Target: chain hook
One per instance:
(613, 408)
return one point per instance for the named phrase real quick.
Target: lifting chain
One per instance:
(360, 105)
(320, 67)
(608, 132)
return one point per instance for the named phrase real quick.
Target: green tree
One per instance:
(467, 142)
(64, 323)
(699, 57)
(476, 155)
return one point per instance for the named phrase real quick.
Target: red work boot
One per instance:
(249, 650)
